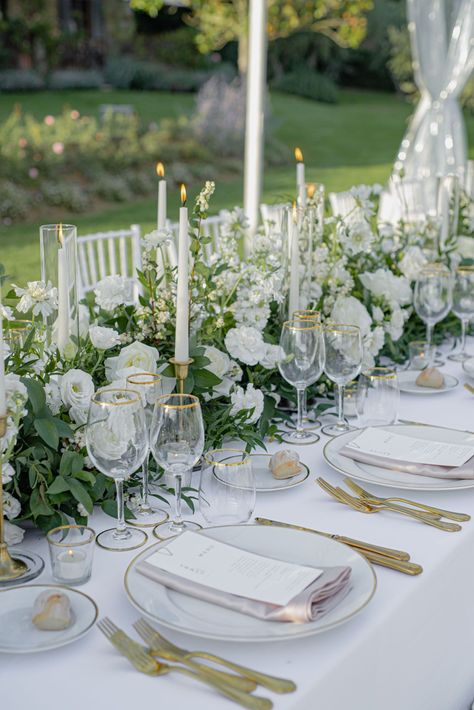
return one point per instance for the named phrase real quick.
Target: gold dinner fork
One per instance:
(143, 662)
(371, 505)
(158, 643)
(450, 515)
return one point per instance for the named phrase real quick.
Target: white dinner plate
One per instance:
(398, 479)
(265, 481)
(18, 633)
(468, 366)
(407, 383)
(183, 613)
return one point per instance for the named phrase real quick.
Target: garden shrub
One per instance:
(75, 79)
(65, 194)
(14, 201)
(20, 80)
(112, 188)
(308, 83)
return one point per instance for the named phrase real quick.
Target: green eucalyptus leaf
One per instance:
(36, 394)
(47, 431)
(59, 485)
(80, 494)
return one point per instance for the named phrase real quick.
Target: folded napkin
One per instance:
(420, 469)
(312, 603)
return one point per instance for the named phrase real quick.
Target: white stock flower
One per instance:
(39, 297)
(7, 472)
(137, 355)
(82, 511)
(11, 506)
(412, 262)
(373, 341)
(351, 311)
(156, 238)
(111, 292)
(202, 200)
(52, 391)
(103, 338)
(384, 284)
(77, 389)
(245, 400)
(273, 353)
(13, 533)
(245, 344)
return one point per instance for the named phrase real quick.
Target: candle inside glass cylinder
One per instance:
(71, 565)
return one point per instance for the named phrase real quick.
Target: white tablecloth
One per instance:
(411, 648)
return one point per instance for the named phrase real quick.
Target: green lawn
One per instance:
(352, 142)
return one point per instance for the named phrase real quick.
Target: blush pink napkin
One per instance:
(419, 469)
(312, 603)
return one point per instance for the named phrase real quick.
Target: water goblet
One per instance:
(344, 352)
(177, 443)
(308, 424)
(378, 397)
(148, 386)
(227, 487)
(117, 444)
(301, 364)
(433, 296)
(463, 306)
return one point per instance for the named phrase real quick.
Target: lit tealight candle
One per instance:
(181, 347)
(71, 564)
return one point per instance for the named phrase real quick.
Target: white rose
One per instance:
(412, 262)
(245, 344)
(111, 292)
(52, 391)
(137, 355)
(273, 353)
(13, 533)
(382, 283)
(11, 506)
(246, 400)
(351, 311)
(77, 389)
(7, 472)
(219, 361)
(103, 338)
(108, 440)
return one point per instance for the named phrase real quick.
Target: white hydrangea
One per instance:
(111, 292)
(248, 399)
(245, 344)
(103, 338)
(38, 297)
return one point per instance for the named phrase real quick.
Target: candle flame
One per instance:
(295, 213)
(298, 155)
(160, 170)
(59, 229)
(183, 194)
(311, 190)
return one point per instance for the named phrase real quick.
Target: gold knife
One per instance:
(357, 544)
(410, 568)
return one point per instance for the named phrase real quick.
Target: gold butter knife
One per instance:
(410, 568)
(356, 544)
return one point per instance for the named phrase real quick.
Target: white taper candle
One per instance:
(181, 347)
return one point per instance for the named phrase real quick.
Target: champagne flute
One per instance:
(117, 444)
(433, 297)
(308, 424)
(148, 386)
(463, 306)
(344, 354)
(177, 443)
(301, 364)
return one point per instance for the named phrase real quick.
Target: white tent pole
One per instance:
(254, 123)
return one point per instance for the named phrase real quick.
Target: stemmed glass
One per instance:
(117, 444)
(344, 354)
(301, 364)
(177, 443)
(148, 386)
(463, 306)
(433, 297)
(308, 424)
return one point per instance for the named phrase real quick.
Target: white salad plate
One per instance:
(189, 615)
(18, 634)
(265, 482)
(398, 479)
(468, 367)
(407, 383)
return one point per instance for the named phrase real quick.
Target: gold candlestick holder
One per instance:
(181, 369)
(10, 568)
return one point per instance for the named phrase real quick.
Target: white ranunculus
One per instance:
(13, 533)
(11, 506)
(7, 472)
(411, 263)
(77, 389)
(137, 355)
(382, 283)
(245, 344)
(246, 400)
(219, 361)
(52, 391)
(103, 338)
(273, 354)
(111, 292)
(351, 311)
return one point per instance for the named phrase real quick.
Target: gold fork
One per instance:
(371, 505)
(143, 662)
(158, 643)
(450, 515)
(469, 387)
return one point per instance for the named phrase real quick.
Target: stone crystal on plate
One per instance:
(431, 377)
(285, 464)
(52, 611)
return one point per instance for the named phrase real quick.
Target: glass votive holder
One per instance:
(378, 397)
(420, 354)
(350, 393)
(71, 548)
